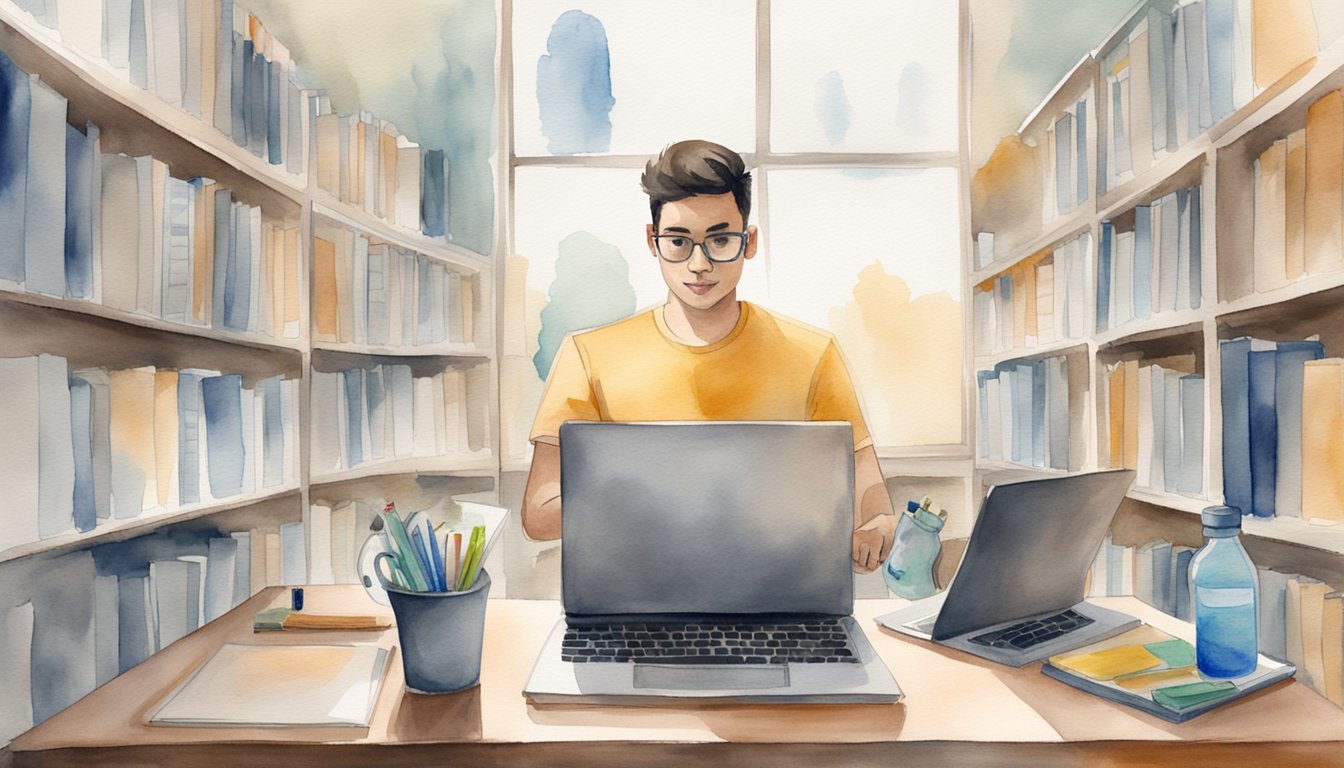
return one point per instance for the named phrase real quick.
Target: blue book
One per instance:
(224, 69)
(1291, 356)
(1104, 276)
(1195, 255)
(139, 46)
(1163, 593)
(1119, 131)
(433, 193)
(81, 430)
(221, 284)
(15, 106)
(376, 395)
(221, 397)
(134, 619)
(1181, 583)
(238, 87)
(1057, 406)
(1173, 430)
(1196, 69)
(1219, 23)
(273, 432)
(1037, 374)
(1263, 430)
(354, 415)
(275, 143)
(189, 435)
(80, 154)
(1082, 153)
(1143, 262)
(1234, 355)
(1065, 183)
(238, 294)
(256, 100)
(1161, 89)
(44, 225)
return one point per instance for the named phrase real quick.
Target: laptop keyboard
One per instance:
(812, 641)
(1034, 632)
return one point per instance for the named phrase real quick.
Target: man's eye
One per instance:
(676, 242)
(719, 242)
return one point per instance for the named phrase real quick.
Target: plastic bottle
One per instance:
(1224, 592)
(909, 568)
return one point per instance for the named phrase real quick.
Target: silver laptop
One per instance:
(1018, 595)
(708, 561)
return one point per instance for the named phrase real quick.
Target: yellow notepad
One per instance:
(1110, 663)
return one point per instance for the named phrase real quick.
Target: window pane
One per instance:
(874, 256)
(864, 76)
(677, 71)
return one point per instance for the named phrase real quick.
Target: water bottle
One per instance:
(1224, 590)
(909, 568)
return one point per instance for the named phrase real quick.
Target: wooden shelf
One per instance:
(452, 465)
(1176, 170)
(91, 309)
(348, 216)
(1061, 230)
(1159, 326)
(137, 122)
(427, 350)
(1232, 311)
(1053, 349)
(1170, 500)
(118, 530)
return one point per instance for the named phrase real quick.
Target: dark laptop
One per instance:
(1018, 595)
(708, 560)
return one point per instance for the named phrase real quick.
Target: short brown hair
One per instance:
(696, 167)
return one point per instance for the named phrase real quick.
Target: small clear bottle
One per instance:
(1224, 591)
(909, 568)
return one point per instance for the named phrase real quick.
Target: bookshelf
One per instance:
(238, 335)
(1193, 228)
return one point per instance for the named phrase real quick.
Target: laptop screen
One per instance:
(707, 518)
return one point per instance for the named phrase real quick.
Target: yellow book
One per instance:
(328, 136)
(1110, 663)
(1323, 439)
(131, 433)
(1304, 615)
(203, 252)
(1116, 411)
(1131, 414)
(1295, 203)
(1323, 239)
(324, 290)
(345, 308)
(387, 179)
(165, 437)
(1271, 218)
(1283, 35)
(1332, 647)
(292, 283)
(275, 267)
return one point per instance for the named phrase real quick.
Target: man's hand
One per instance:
(872, 542)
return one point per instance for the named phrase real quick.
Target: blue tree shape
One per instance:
(574, 86)
(591, 288)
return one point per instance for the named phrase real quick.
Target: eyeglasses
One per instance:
(720, 247)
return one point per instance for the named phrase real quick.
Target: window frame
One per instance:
(762, 161)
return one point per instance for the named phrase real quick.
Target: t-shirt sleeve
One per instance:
(569, 395)
(833, 398)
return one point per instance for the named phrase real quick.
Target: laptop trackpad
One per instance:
(717, 677)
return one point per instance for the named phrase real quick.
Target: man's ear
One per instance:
(648, 237)
(751, 242)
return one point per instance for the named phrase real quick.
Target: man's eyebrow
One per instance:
(677, 229)
(717, 227)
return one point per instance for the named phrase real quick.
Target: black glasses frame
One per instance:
(741, 249)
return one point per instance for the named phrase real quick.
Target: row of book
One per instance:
(209, 58)
(1283, 428)
(366, 162)
(376, 294)
(92, 446)
(122, 232)
(1040, 300)
(1156, 423)
(1299, 618)
(384, 412)
(1066, 156)
(1154, 267)
(1299, 196)
(1024, 407)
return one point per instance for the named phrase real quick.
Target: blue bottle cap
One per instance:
(1221, 517)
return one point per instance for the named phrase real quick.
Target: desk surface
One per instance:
(953, 702)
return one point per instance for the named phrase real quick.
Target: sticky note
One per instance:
(1179, 697)
(1176, 653)
(1110, 663)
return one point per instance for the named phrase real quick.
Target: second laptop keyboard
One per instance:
(813, 641)
(1034, 632)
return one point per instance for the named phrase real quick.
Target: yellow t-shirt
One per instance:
(768, 368)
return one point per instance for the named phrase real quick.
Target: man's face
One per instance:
(699, 282)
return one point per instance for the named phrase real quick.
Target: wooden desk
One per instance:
(958, 711)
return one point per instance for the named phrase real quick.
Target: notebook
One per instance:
(1017, 597)
(708, 560)
(248, 685)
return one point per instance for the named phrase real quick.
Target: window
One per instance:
(859, 179)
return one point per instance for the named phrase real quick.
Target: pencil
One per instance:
(457, 556)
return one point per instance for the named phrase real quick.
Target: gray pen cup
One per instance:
(441, 636)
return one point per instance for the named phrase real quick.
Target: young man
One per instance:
(703, 355)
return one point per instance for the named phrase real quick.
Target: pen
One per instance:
(457, 556)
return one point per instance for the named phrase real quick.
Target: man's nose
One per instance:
(699, 261)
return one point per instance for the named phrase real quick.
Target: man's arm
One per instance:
(874, 523)
(541, 498)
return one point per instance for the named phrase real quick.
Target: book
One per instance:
(1191, 479)
(1291, 25)
(222, 402)
(1152, 671)
(1323, 439)
(1290, 357)
(44, 211)
(1272, 613)
(1234, 355)
(292, 554)
(1303, 616)
(1295, 204)
(320, 570)
(1263, 431)
(82, 193)
(1323, 226)
(242, 567)
(15, 108)
(339, 688)
(1270, 211)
